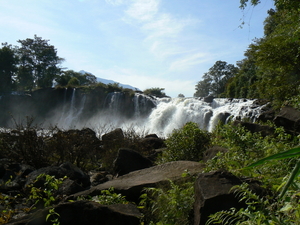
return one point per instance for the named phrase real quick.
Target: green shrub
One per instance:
(109, 197)
(245, 148)
(186, 143)
(171, 204)
(47, 193)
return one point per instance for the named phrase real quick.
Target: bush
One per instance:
(171, 204)
(186, 143)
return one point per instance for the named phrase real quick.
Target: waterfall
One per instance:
(142, 105)
(71, 115)
(172, 113)
(147, 114)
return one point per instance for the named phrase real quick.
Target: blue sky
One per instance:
(144, 43)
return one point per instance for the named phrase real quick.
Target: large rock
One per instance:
(128, 160)
(149, 143)
(66, 169)
(131, 185)
(213, 194)
(13, 175)
(115, 135)
(289, 118)
(208, 99)
(87, 213)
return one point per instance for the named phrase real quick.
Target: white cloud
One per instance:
(165, 34)
(143, 10)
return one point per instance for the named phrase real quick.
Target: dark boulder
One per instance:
(128, 160)
(13, 175)
(208, 99)
(99, 177)
(66, 169)
(289, 118)
(213, 194)
(150, 143)
(151, 136)
(115, 135)
(85, 212)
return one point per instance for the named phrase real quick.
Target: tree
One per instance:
(83, 78)
(8, 63)
(215, 80)
(38, 65)
(243, 84)
(203, 87)
(73, 82)
(157, 92)
(280, 4)
(275, 58)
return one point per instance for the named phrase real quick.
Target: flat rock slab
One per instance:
(131, 185)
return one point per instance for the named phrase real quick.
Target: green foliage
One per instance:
(260, 210)
(186, 143)
(53, 217)
(170, 205)
(47, 193)
(280, 174)
(73, 82)
(7, 211)
(271, 67)
(109, 197)
(72, 78)
(245, 148)
(157, 92)
(8, 63)
(292, 153)
(38, 63)
(215, 80)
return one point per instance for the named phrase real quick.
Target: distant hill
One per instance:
(105, 81)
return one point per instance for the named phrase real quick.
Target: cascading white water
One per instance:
(173, 113)
(167, 115)
(70, 115)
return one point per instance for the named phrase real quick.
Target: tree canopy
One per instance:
(215, 80)
(38, 63)
(271, 67)
(8, 67)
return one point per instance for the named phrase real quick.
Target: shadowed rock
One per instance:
(213, 194)
(87, 213)
(131, 185)
(128, 160)
(289, 118)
